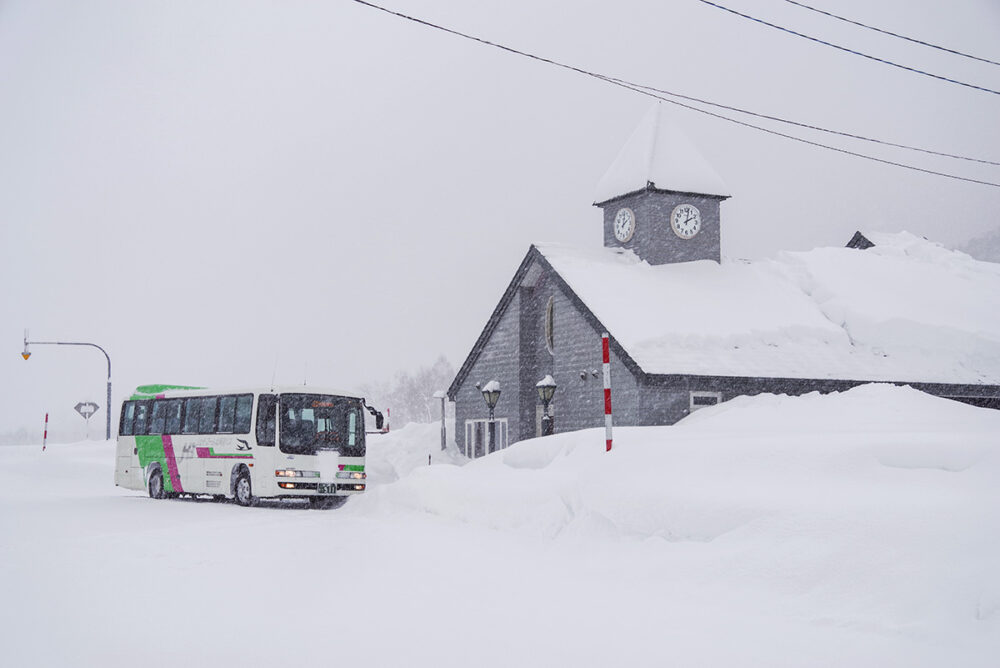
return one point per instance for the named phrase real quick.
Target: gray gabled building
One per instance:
(687, 330)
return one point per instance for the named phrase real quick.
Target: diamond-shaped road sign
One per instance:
(86, 408)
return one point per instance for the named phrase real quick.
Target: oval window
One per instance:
(549, 339)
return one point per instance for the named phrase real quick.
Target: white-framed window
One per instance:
(477, 436)
(704, 399)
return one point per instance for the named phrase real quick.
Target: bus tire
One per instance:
(242, 491)
(327, 502)
(156, 490)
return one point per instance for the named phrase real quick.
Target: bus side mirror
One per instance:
(379, 420)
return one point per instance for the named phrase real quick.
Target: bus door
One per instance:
(193, 436)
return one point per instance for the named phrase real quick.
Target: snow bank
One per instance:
(395, 454)
(848, 529)
(873, 507)
(872, 408)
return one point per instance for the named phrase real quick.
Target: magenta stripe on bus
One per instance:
(175, 476)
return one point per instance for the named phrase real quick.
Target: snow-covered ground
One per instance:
(857, 529)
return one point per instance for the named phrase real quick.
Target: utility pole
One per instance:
(442, 395)
(107, 409)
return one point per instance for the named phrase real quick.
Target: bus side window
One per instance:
(192, 412)
(266, 410)
(159, 417)
(128, 415)
(141, 425)
(173, 422)
(244, 407)
(206, 423)
(227, 414)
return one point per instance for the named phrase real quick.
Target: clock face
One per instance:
(685, 220)
(624, 224)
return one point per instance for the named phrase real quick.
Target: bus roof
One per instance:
(171, 391)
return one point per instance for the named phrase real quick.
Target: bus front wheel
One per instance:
(242, 492)
(156, 490)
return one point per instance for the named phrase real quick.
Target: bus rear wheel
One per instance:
(327, 502)
(242, 492)
(156, 490)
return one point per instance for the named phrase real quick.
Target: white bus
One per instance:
(286, 442)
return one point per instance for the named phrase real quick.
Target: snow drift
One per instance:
(826, 530)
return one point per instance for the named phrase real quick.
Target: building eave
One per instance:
(651, 188)
(743, 384)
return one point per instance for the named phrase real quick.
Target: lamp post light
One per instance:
(491, 394)
(546, 389)
(107, 409)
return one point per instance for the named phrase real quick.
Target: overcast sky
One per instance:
(222, 192)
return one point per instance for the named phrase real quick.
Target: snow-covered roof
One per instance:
(658, 152)
(906, 310)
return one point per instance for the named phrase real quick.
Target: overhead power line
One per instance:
(890, 33)
(807, 126)
(847, 50)
(845, 151)
(663, 95)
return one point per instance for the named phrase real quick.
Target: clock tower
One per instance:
(661, 198)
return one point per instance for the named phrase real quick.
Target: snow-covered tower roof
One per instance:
(661, 198)
(660, 155)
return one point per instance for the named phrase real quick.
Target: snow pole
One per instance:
(45, 435)
(606, 352)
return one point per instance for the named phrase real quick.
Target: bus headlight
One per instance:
(352, 475)
(293, 473)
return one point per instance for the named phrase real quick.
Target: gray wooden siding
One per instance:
(654, 240)
(663, 405)
(579, 401)
(497, 361)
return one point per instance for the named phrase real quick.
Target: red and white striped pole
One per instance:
(45, 436)
(607, 389)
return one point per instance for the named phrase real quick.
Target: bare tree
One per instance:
(409, 396)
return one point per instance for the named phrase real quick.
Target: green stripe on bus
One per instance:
(150, 391)
(213, 454)
(352, 467)
(150, 449)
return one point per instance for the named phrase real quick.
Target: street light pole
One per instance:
(440, 394)
(491, 393)
(107, 409)
(546, 389)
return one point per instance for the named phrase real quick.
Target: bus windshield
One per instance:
(314, 422)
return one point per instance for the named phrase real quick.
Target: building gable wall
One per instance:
(516, 355)
(498, 360)
(578, 401)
